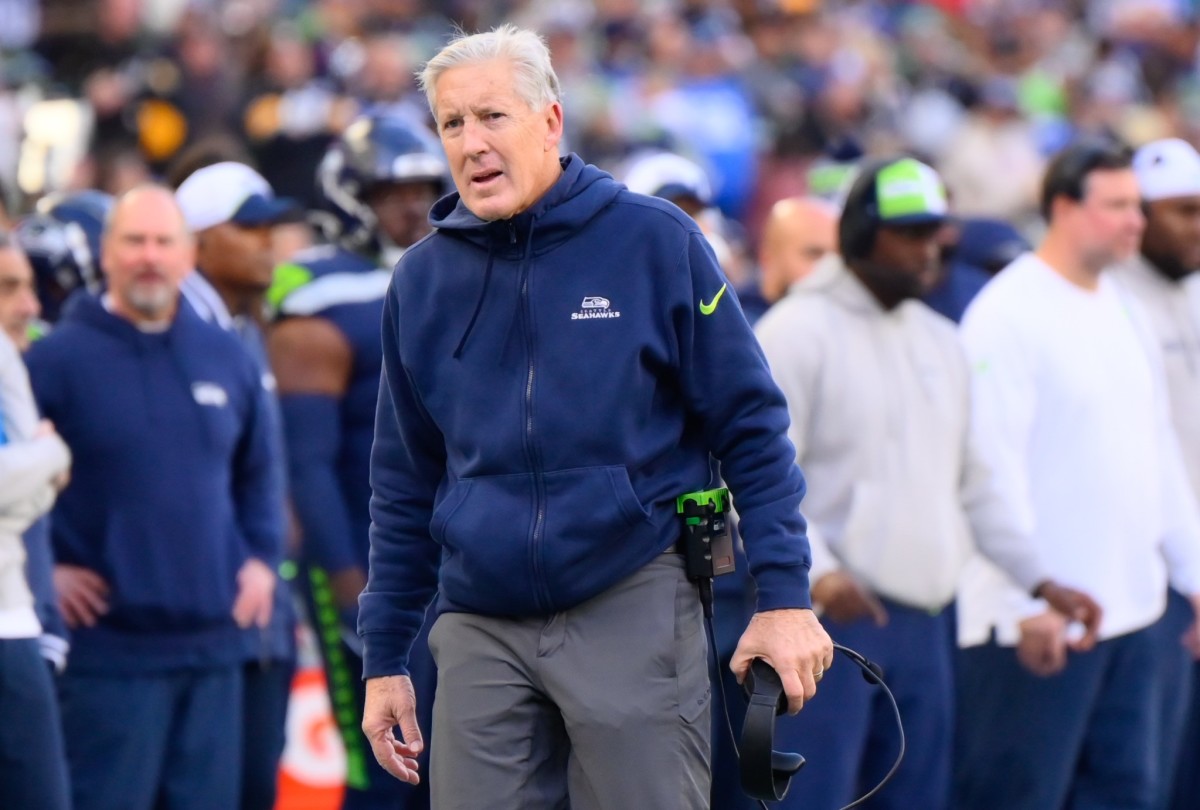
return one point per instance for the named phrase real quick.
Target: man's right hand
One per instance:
(82, 595)
(391, 702)
(844, 599)
(1043, 646)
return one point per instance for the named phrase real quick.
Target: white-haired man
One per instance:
(561, 357)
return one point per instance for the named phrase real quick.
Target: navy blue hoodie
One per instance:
(551, 384)
(172, 486)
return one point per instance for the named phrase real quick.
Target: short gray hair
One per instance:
(537, 83)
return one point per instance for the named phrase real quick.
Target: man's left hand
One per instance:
(794, 643)
(256, 594)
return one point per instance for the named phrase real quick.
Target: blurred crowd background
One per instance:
(772, 98)
(105, 93)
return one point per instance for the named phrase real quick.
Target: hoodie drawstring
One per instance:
(487, 278)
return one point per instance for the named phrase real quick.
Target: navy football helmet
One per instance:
(375, 149)
(62, 240)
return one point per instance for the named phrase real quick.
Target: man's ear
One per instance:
(554, 125)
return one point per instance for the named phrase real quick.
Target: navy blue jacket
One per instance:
(172, 485)
(551, 384)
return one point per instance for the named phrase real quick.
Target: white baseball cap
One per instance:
(1167, 168)
(231, 192)
(670, 176)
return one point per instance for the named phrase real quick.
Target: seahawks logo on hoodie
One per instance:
(209, 393)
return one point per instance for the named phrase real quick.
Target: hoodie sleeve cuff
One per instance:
(783, 588)
(385, 654)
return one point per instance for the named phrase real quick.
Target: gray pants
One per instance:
(601, 707)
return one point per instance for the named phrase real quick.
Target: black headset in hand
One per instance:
(767, 773)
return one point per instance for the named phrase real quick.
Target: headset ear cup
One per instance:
(856, 233)
(766, 773)
(857, 226)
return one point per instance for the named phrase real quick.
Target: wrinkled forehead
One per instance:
(475, 85)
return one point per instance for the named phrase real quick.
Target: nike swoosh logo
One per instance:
(710, 308)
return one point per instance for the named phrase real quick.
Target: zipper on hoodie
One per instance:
(541, 592)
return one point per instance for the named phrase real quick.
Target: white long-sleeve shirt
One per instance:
(1073, 414)
(27, 467)
(881, 415)
(1173, 320)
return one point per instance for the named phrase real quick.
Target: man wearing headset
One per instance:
(878, 390)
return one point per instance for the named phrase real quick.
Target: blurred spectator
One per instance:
(34, 462)
(989, 244)
(384, 82)
(206, 151)
(973, 251)
(1074, 421)
(1168, 173)
(231, 212)
(878, 390)
(687, 184)
(291, 115)
(799, 233)
(691, 92)
(62, 241)
(168, 536)
(830, 175)
(377, 183)
(188, 91)
(994, 135)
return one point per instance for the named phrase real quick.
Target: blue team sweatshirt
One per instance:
(172, 487)
(551, 384)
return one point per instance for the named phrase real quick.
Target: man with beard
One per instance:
(1168, 173)
(169, 534)
(878, 390)
(1075, 423)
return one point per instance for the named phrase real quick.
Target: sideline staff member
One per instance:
(169, 533)
(560, 358)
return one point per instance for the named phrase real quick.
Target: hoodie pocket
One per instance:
(585, 505)
(595, 526)
(484, 526)
(499, 559)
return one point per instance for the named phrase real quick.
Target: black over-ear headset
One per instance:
(860, 211)
(767, 773)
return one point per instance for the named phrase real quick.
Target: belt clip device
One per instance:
(707, 543)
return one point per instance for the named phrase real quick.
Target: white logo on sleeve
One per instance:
(595, 306)
(209, 393)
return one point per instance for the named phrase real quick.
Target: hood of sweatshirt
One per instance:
(580, 193)
(89, 310)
